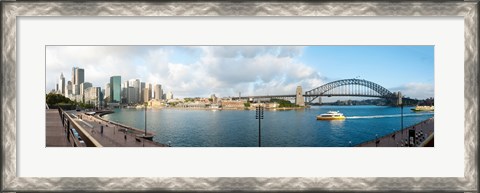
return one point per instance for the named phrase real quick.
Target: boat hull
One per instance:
(330, 118)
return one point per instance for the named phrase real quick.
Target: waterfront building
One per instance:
(115, 89)
(142, 93)
(61, 85)
(106, 95)
(195, 104)
(84, 86)
(233, 104)
(155, 103)
(214, 99)
(145, 96)
(158, 92)
(93, 96)
(169, 95)
(124, 92)
(133, 95)
(150, 91)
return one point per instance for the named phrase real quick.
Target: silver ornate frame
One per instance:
(11, 10)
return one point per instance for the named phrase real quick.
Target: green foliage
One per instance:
(188, 100)
(54, 99)
(247, 104)
(283, 103)
(60, 100)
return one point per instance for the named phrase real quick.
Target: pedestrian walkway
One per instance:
(400, 138)
(55, 133)
(112, 135)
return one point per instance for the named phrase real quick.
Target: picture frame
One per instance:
(12, 10)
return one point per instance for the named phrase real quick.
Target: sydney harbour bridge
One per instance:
(346, 87)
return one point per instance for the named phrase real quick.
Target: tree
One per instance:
(53, 99)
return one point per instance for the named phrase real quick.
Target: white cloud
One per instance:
(223, 70)
(416, 90)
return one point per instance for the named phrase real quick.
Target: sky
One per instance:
(199, 71)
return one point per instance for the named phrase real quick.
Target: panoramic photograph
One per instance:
(239, 96)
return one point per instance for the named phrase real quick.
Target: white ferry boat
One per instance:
(331, 115)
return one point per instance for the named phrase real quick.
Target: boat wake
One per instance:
(389, 116)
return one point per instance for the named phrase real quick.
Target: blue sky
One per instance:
(252, 70)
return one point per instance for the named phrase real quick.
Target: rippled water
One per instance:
(291, 128)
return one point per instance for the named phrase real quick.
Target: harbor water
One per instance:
(288, 128)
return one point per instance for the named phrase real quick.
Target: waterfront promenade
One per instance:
(113, 135)
(55, 133)
(423, 130)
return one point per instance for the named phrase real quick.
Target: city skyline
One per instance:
(196, 71)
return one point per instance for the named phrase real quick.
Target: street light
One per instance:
(259, 116)
(145, 104)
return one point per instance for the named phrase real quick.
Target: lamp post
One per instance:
(145, 104)
(400, 102)
(259, 116)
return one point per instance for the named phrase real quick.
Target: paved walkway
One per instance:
(112, 136)
(398, 138)
(55, 133)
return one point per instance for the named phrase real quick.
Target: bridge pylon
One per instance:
(299, 100)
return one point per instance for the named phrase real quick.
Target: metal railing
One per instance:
(69, 123)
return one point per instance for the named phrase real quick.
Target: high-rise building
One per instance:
(158, 92)
(68, 89)
(83, 86)
(106, 96)
(78, 75)
(142, 93)
(115, 89)
(133, 94)
(61, 85)
(150, 91)
(145, 96)
(169, 95)
(93, 96)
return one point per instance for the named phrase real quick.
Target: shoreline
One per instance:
(135, 130)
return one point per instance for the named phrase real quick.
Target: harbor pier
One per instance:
(79, 129)
(423, 136)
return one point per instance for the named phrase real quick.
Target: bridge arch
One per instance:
(355, 87)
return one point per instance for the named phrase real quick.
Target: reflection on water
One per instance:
(291, 128)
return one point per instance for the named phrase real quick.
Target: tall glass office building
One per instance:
(115, 89)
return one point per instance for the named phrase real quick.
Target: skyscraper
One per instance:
(84, 86)
(61, 85)
(78, 75)
(158, 92)
(115, 87)
(169, 95)
(142, 93)
(145, 96)
(68, 89)
(107, 93)
(134, 93)
(150, 90)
